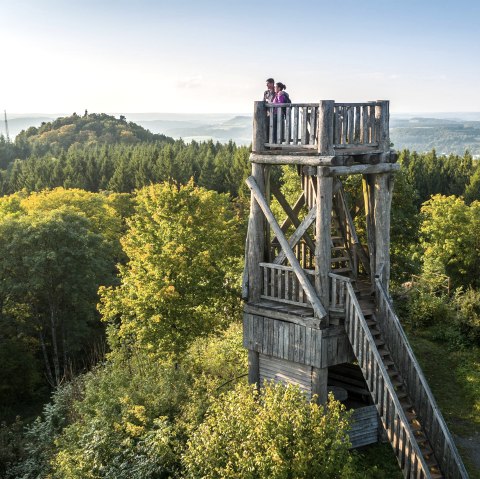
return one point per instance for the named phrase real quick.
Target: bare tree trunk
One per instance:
(48, 369)
(55, 357)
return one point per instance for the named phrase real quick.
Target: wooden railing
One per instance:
(418, 390)
(337, 292)
(358, 126)
(280, 283)
(292, 124)
(391, 413)
(355, 125)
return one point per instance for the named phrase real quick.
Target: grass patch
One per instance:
(376, 462)
(454, 377)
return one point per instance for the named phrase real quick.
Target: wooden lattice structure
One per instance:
(317, 310)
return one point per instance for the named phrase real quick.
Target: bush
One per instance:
(467, 304)
(426, 309)
(272, 434)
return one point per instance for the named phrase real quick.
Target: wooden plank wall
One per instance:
(365, 426)
(286, 372)
(295, 342)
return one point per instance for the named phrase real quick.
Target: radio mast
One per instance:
(6, 126)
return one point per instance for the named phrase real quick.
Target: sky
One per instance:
(212, 56)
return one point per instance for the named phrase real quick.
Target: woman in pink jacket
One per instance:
(281, 96)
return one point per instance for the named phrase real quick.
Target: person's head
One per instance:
(270, 83)
(279, 86)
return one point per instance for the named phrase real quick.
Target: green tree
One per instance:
(180, 280)
(450, 239)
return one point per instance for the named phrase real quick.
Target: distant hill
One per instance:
(445, 135)
(95, 128)
(446, 132)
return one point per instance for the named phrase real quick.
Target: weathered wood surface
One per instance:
(299, 272)
(359, 169)
(292, 124)
(418, 390)
(298, 235)
(383, 185)
(323, 251)
(255, 239)
(260, 134)
(364, 427)
(283, 159)
(286, 372)
(390, 410)
(295, 342)
(280, 283)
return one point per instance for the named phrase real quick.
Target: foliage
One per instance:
(122, 167)
(467, 304)
(181, 278)
(272, 434)
(37, 445)
(431, 174)
(129, 417)
(91, 128)
(56, 248)
(450, 239)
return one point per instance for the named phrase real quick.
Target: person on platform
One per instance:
(269, 93)
(281, 97)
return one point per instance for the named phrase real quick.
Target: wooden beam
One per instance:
(383, 201)
(297, 236)
(255, 252)
(253, 367)
(369, 202)
(319, 384)
(358, 169)
(291, 215)
(323, 250)
(294, 159)
(317, 306)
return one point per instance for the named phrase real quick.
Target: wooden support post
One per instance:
(382, 123)
(253, 367)
(319, 384)
(323, 246)
(325, 127)
(260, 131)
(256, 227)
(383, 202)
(324, 198)
(369, 200)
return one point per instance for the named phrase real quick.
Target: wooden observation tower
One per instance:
(317, 311)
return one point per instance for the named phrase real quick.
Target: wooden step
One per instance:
(338, 259)
(341, 270)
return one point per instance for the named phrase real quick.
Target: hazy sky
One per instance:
(214, 56)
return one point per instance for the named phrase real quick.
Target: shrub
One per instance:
(272, 434)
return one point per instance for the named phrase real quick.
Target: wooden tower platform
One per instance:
(317, 310)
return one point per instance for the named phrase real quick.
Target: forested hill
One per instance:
(93, 128)
(99, 152)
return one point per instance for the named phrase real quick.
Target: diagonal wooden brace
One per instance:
(312, 296)
(297, 236)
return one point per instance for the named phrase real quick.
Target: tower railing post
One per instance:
(260, 130)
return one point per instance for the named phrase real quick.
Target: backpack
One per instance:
(287, 97)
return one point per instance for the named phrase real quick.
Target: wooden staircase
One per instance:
(412, 421)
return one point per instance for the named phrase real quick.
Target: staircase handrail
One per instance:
(424, 409)
(396, 424)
